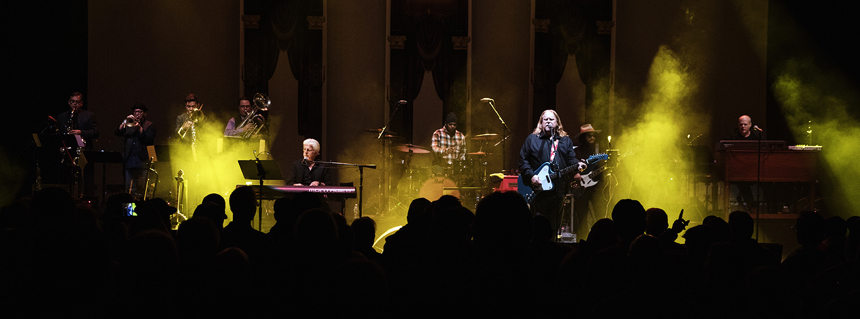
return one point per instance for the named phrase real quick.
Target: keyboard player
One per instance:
(306, 172)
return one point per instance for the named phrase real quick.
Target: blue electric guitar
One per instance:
(546, 176)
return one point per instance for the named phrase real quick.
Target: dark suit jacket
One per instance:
(84, 121)
(135, 143)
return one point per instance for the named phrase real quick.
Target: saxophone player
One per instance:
(78, 121)
(244, 111)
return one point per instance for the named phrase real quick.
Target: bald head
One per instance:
(744, 124)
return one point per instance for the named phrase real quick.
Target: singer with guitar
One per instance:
(549, 143)
(306, 171)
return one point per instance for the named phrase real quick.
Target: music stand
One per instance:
(261, 170)
(104, 158)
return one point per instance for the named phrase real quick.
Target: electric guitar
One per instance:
(546, 176)
(588, 180)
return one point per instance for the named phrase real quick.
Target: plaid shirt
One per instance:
(441, 141)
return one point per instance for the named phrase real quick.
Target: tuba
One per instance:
(256, 119)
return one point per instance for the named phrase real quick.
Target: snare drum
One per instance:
(433, 188)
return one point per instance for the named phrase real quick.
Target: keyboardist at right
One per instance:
(306, 172)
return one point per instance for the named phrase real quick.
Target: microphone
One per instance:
(755, 127)
(402, 102)
(486, 99)
(305, 160)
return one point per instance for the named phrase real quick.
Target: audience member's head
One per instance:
(416, 209)
(243, 204)
(451, 229)
(629, 217)
(306, 201)
(211, 211)
(198, 238)
(656, 221)
(164, 210)
(446, 202)
(721, 229)
(602, 234)
(809, 229)
(742, 225)
(281, 207)
(364, 230)
(503, 219)
(215, 198)
(699, 240)
(316, 229)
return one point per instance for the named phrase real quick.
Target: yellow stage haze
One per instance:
(212, 166)
(653, 139)
(817, 112)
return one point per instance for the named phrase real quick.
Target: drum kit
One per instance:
(414, 173)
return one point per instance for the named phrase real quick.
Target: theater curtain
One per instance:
(428, 28)
(287, 25)
(564, 28)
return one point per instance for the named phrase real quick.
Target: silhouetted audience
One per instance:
(446, 262)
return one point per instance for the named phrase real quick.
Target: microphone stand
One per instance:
(758, 183)
(507, 132)
(360, 179)
(384, 156)
(262, 174)
(390, 117)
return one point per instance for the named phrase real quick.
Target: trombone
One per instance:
(195, 117)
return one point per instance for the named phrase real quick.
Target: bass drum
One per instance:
(433, 188)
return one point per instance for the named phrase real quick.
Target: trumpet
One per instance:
(130, 121)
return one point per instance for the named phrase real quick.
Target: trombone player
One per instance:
(138, 134)
(186, 122)
(244, 111)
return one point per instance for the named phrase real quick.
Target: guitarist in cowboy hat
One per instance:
(583, 196)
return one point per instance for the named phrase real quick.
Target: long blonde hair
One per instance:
(539, 129)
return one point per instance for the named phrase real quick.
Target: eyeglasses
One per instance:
(76, 102)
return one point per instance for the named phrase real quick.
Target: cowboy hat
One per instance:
(586, 129)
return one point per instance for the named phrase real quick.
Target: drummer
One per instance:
(449, 144)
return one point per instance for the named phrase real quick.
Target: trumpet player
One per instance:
(186, 122)
(244, 111)
(138, 133)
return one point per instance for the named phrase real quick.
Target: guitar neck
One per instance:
(565, 171)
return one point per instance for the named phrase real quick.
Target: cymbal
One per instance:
(479, 153)
(405, 148)
(486, 137)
